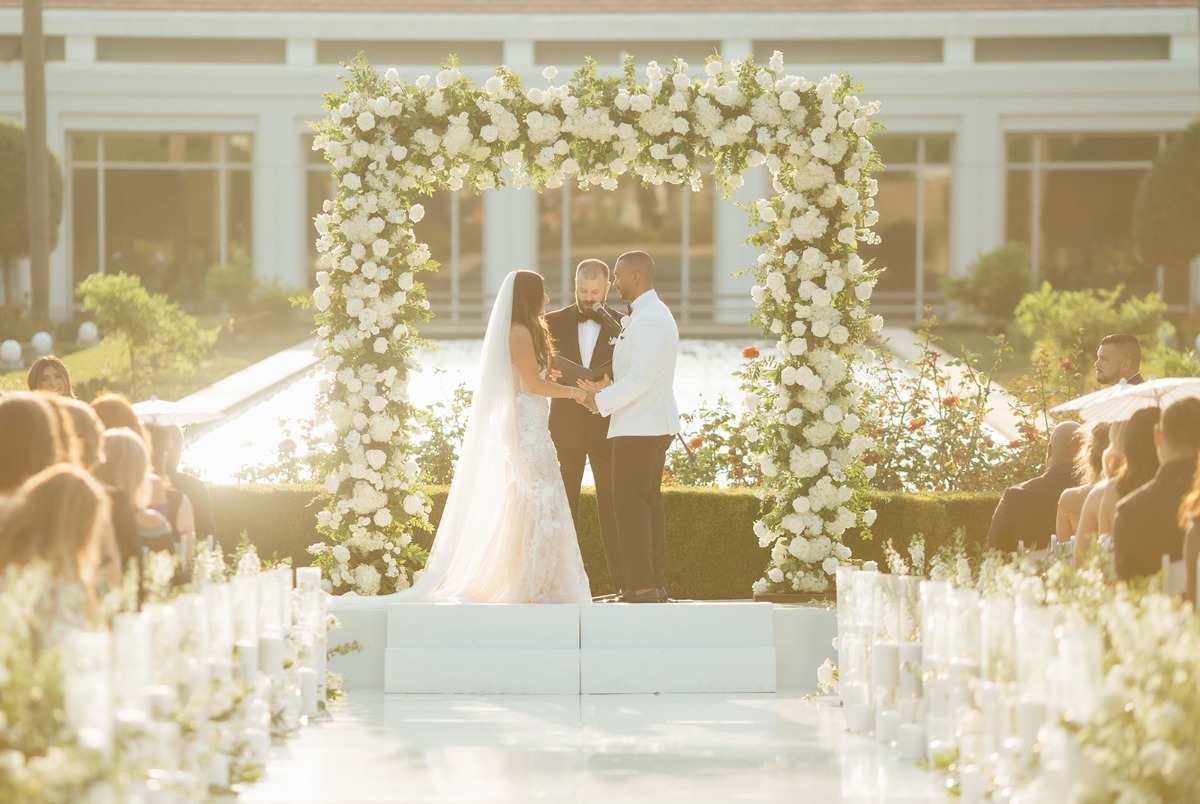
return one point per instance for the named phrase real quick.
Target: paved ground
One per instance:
(603, 748)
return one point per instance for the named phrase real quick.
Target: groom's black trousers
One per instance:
(637, 497)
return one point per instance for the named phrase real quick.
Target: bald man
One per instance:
(1027, 511)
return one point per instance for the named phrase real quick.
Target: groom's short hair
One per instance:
(592, 269)
(641, 262)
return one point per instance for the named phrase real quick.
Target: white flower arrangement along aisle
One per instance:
(390, 142)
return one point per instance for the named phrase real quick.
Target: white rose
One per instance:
(383, 517)
(321, 299)
(751, 401)
(381, 345)
(365, 121)
(413, 503)
(713, 68)
(489, 133)
(825, 675)
(341, 553)
(869, 519)
(493, 85)
(351, 181)
(846, 235)
(775, 574)
(830, 565)
(833, 414)
(679, 161)
(550, 73)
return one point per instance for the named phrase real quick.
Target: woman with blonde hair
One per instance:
(1089, 469)
(126, 469)
(1092, 521)
(60, 516)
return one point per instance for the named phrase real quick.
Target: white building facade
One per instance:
(184, 136)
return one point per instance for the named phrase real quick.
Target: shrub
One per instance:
(156, 334)
(719, 451)
(232, 283)
(712, 553)
(994, 283)
(437, 453)
(1070, 323)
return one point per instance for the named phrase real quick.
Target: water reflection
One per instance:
(704, 373)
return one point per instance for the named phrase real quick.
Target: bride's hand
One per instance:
(597, 386)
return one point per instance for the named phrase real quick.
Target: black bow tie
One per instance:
(587, 315)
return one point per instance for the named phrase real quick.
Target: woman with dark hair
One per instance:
(1141, 453)
(506, 535)
(49, 374)
(30, 438)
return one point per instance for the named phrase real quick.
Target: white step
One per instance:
(685, 647)
(482, 649)
(463, 648)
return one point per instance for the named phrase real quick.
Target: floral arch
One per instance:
(390, 142)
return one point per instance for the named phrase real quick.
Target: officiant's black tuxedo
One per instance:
(581, 436)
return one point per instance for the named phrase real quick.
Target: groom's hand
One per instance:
(589, 401)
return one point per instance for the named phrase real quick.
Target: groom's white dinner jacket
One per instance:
(641, 400)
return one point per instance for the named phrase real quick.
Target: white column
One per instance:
(62, 279)
(278, 203)
(510, 235)
(79, 49)
(731, 227)
(301, 52)
(977, 188)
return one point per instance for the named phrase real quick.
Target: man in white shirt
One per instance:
(580, 437)
(644, 419)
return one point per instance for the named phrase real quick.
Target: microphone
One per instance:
(599, 309)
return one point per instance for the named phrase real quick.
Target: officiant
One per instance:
(586, 339)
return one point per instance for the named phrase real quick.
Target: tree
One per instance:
(14, 217)
(994, 283)
(157, 334)
(1168, 204)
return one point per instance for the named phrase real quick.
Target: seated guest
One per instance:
(1026, 512)
(126, 467)
(1189, 520)
(115, 411)
(88, 429)
(1095, 519)
(1119, 357)
(180, 511)
(1147, 523)
(60, 516)
(1089, 468)
(30, 439)
(168, 447)
(1139, 462)
(49, 374)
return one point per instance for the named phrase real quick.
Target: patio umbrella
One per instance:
(1131, 398)
(1080, 402)
(162, 411)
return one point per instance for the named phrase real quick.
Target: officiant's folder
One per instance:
(570, 372)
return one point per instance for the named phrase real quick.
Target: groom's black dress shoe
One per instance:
(645, 597)
(613, 598)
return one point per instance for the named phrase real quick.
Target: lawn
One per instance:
(105, 367)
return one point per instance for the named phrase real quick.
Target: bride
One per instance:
(506, 535)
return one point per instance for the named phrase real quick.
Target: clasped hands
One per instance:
(588, 397)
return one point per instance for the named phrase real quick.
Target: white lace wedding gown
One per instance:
(506, 535)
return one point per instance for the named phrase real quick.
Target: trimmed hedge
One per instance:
(712, 553)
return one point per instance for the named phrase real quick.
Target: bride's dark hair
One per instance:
(528, 291)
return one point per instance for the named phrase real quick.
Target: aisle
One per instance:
(603, 748)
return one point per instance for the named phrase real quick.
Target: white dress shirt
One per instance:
(589, 333)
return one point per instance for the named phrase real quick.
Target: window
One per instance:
(1070, 199)
(674, 225)
(452, 228)
(162, 206)
(914, 221)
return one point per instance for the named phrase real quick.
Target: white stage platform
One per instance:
(681, 647)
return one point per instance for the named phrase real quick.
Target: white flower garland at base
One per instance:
(390, 142)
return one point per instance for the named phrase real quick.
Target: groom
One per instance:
(580, 437)
(641, 402)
